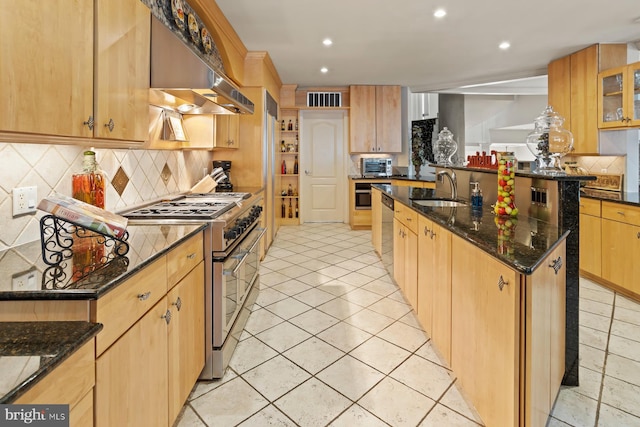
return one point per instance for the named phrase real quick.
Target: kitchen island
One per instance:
(491, 295)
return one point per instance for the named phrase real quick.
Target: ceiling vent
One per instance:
(324, 99)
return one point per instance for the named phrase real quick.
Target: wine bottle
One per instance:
(283, 147)
(290, 125)
(290, 191)
(295, 166)
(283, 209)
(282, 125)
(296, 208)
(296, 124)
(284, 168)
(290, 209)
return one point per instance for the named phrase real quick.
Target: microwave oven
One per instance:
(373, 167)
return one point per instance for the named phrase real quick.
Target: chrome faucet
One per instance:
(452, 182)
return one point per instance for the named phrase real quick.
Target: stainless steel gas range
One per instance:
(231, 247)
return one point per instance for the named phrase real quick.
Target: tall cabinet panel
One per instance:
(375, 119)
(46, 71)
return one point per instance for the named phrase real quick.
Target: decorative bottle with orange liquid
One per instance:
(89, 185)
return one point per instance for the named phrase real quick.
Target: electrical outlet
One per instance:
(23, 281)
(24, 200)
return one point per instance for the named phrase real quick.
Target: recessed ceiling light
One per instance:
(439, 13)
(327, 42)
(324, 70)
(504, 45)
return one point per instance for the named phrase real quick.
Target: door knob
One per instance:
(307, 172)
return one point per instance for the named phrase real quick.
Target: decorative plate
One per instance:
(177, 8)
(206, 40)
(194, 31)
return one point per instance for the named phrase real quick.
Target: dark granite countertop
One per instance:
(422, 178)
(531, 243)
(25, 276)
(30, 350)
(624, 197)
(560, 177)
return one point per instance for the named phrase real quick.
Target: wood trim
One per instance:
(610, 285)
(17, 138)
(43, 310)
(611, 56)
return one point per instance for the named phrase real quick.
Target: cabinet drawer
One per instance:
(589, 206)
(406, 216)
(122, 307)
(621, 213)
(183, 259)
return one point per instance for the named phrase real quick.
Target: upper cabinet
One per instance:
(573, 93)
(227, 131)
(374, 119)
(46, 71)
(619, 97)
(121, 93)
(86, 73)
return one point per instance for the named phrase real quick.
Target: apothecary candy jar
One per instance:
(445, 147)
(549, 142)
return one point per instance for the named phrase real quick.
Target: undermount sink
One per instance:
(438, 203)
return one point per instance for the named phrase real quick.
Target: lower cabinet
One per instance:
(71, 383)
(405, 252)
(434, 284)
(507, 335)
(620, 246)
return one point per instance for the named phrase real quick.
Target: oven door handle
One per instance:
(244, 254)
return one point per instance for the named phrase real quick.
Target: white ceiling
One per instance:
(400, 42)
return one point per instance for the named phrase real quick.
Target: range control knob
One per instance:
(231, 234)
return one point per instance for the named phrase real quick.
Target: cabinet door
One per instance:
(545, 336)
(425, 274)
(440, 266)
(46, 71)
(559, 88)
(590, 244)
(485, 335)
(611, 112)
(620, 246)
(388, 120)
(227, 131)
(362, 119)
(632, 95)
(376, 220)
(584, 100)
(121, 96)
(411, 267)
(131, 376)
(399, 231)
(186, 338)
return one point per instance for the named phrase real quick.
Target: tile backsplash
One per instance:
(149, 174)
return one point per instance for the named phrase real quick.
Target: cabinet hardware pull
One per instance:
(110, 125)
(89, 123)
(191, 256)
(620, 213)
(166, 316)
(502, 282)
(432, 234)
(556, 264)
(178, 303)
(145, 296)
(408, 219)
(426, 230)
(638, 235)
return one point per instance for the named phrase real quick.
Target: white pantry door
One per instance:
(322, 166)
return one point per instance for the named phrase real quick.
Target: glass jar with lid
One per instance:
(89, 185)
(549, 142)
(445, 147)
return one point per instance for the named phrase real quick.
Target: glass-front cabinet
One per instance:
(619, 97)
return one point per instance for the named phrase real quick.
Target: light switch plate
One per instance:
(24, 200)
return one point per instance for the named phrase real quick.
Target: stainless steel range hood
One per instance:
(181, 80)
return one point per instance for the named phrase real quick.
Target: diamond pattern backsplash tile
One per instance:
(140, 175)
(120, 181)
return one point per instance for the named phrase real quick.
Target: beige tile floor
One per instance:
(331, 341)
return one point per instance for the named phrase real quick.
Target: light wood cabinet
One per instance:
(620, 244)
(572, 91)
(50, 89)
(122, 52)
(507, 334)
(590, 237)
(227, 131)
(434, 284)
(360, 219)
(375, 119)
(405, 252)
(132, 377)
(186, 338)
(71, 383)
(95, 80)
(376, 220)
(619, 97)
